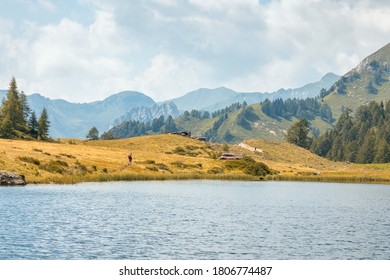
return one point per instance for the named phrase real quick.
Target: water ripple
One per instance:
(195, 220)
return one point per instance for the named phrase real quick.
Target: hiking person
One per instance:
(130, 157)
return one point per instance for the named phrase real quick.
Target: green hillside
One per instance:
(238, 125)
(195, 125)
(369, 81)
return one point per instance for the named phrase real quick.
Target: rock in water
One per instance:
(11, 179)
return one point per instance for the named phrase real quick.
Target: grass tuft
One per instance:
(55, 166)
(29, 160)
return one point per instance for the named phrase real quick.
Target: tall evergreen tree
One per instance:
(206, 115)
(43, 125)
(322, 145)
(298, 134)
(13, 112)
(157, 124)
(6, 130)
(33, 125)
(25, 106)
(382, 153)
(170, 125)
(367, 150)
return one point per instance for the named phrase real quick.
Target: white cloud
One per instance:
(166, 48)
(306, 39)
(47, 5)
(168, 77)
(169, 3)
(71, 61)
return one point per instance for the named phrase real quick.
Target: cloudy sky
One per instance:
(86, 50)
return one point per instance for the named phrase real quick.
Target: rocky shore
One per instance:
(11, 179)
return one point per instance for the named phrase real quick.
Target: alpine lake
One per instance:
(195, 220)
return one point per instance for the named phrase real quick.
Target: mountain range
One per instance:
(215, 99)
(73, 120)
(147, 114)
(369, 81)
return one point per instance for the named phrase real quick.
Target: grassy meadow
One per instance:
(171, 157)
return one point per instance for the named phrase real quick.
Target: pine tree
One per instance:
(170, 125)
(298, 134)
(382, 153)
(363, 139)
(6, 130)
(337, 151)
(43, 125)
(33, 125)
(367, 153)
(323, 93)
(157, 124)
(14, 112)
(206, 115)
(93, 134)
(25, 106)
(322, 145)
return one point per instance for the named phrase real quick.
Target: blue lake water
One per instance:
(195, 220)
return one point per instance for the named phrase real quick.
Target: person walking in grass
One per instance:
(130, 157)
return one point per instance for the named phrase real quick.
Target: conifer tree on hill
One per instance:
(33, 125)
(363, 138)
(43, 125)
(298, 134)
(13, 113)
(17, 120)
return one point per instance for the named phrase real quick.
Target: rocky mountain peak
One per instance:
(147, 114)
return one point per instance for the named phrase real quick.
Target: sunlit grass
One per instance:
(171, 157)
(338, 179)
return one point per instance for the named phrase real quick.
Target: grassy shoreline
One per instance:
(172, 157)
(221, 177)
(143, 177)
(331, 179)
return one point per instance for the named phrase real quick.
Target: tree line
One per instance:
(362, 138)
(299, 108)
(18, 121)
(136, 128)
(206, 114)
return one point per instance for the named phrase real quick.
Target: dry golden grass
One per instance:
(168, 157)
(295, 163)
(154, 157)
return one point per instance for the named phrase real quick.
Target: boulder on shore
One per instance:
(11, 179)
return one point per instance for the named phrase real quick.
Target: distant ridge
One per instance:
(218, 98)
(212, 99)
(147, 114)
(74, 120)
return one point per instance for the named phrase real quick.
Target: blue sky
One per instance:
(85, 50)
